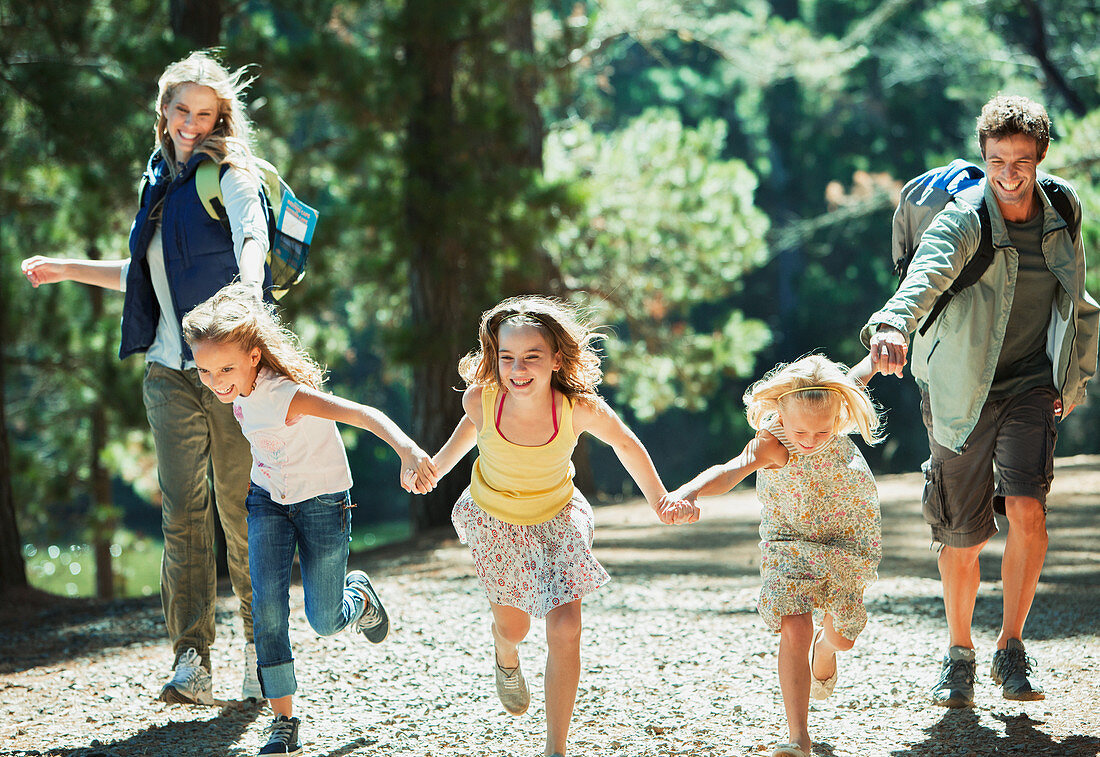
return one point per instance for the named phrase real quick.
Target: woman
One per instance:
(180, 256)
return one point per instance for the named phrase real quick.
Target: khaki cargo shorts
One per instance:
(1010, 453)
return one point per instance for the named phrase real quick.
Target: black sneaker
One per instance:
(1011, 667)
(283, 737)
(373, 622)
(956, 685)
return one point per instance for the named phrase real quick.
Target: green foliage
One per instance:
(666, 226)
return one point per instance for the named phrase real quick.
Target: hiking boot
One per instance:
(282, 737)
(512, 689)
(1011, 667)
(956, 685)
(250, 685)
(190, 682)
(373, 622)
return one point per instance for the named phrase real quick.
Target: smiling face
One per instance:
(228, 370)
(524, 360)
(808, 427)
(190, 117)
(1011, 164)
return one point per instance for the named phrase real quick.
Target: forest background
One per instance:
(713, 179)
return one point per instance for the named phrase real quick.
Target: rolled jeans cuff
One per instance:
(278, 680)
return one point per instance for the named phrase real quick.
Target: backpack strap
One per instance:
(1061, 202)
(974, 269)
(208, 183)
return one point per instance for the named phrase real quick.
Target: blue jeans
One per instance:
(320, 528)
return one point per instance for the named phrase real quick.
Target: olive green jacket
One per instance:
(955, 360)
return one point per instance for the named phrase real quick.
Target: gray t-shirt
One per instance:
(1023, 363)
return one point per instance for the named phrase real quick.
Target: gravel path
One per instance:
(676, 661)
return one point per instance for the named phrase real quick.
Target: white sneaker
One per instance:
(250, 686)
(190, 682)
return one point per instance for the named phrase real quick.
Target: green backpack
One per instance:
(290, 222)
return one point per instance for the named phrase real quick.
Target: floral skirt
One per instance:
(533, 568)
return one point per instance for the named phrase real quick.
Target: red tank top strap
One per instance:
(553, 415)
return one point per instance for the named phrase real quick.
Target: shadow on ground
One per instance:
(961, 732)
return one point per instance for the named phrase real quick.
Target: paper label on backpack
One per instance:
(296, 219)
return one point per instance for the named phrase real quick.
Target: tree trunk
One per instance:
(443, 317)
(13, 571)
(197, 21)
(103, 518)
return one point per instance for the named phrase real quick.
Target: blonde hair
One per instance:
(818, 384)
(230, 141)
(567, 332)
(236, 315)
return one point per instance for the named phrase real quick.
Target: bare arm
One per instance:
(308, 401)
(464, 437)
(41, 270)
(864, 370)
(603, 423)
(763, 451)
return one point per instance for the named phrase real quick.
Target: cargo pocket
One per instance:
(932, 500)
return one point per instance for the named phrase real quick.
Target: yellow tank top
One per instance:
(518, 484)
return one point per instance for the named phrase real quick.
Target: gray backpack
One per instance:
(925, 196)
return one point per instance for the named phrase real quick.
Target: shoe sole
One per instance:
(1030, 696)
(171, 695)
(383, 627)
(954, 704)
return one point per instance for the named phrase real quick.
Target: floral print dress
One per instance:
(820, 534)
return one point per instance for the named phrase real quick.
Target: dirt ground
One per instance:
(675, 660)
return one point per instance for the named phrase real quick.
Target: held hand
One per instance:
(42, 270)
(424, 473)
(674, 510)
(889, 351)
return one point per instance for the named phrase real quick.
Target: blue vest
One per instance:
(198, 254)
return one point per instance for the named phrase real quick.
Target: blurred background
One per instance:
(714, 180)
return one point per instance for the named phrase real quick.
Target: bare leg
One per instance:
(960, 574)
(563, 672)
(510, 627)
(1025, 551)
(795, 635)
(828, 645)
(282, 705)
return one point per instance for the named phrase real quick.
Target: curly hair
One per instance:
(568, 333)
(1005, 115)
(237, 315)
(230, 141)
(818, 384)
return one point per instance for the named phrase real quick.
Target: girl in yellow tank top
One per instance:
(531, 392)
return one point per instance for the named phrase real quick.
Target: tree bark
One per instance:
(13, 570)
(102, 516)
(443, 318)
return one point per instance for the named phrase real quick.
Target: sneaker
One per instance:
(956, 685)
(190, 682)
(373, 622)
(512, 689)
(1011, 667)
(282, 737)
(250, 685)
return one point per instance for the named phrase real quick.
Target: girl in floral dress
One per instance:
(531, 392)
(820, 525)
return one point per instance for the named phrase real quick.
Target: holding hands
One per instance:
(676, 509)
(889, 350)
(419, 474)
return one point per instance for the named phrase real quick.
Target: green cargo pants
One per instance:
(191, 429)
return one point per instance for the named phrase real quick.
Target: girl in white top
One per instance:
(819, 525)
(300, 480)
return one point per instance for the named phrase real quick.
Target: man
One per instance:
(1006, 358)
